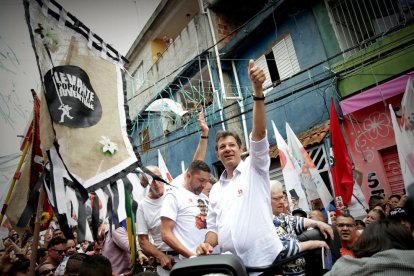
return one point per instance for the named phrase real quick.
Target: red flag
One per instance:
(341, 167)
(37, 162)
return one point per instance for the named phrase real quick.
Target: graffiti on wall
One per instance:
(369, 131)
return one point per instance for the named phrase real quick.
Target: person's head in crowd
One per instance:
(360, 224)
(229, 149)
(332, 213)
(209, 185)
(277, 197)
(57, 233)
(84, 245)
(345, 224)
(90, 247)
(74, 263)
(56, 250)
(374, 215)
(399, 215)
(41, 255)
(70, 247)
(377, 200)
(317, 215)
(75, 234)
(20, 267)
(393, 201)
(317, 204)
(45, 269)
(98, 248)
(96, 265)
(197, 176)
(13, 235)
(156, 187)
(299, 213)
(382, 235)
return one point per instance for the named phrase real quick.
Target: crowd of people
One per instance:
(242, 213)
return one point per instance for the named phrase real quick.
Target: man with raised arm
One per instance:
(240, 215)
(149, 221)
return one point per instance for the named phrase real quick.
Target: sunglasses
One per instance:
(60, 252)
(47, 271)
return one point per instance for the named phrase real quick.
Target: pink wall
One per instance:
(372, 126)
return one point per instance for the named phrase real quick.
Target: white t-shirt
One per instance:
(240, 210)
(149, 221)
(189, 211)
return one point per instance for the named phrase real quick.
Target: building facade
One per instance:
(310, 51)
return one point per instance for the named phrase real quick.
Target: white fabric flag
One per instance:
(290, 173)
(308, 172)
(165, 173)
(404, 151)
(407, 133)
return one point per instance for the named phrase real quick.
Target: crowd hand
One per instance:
(48, 237)
(256, 75)
(204, 249)
(402, 201)
(295, 202)
(9, 243)
(325, 229)
(7, 260)
(166, 262)
(202, 123)
(142, 258)
(90, 253)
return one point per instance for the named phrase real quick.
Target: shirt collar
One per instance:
(237, 171)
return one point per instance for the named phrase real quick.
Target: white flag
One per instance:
(290, 173)
(405, 150)
(310, 176)
(165, 173)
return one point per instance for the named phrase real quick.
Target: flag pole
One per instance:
(15, 177)
(36, 231)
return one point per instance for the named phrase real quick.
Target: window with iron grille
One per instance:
(319, 157)
(357, 23)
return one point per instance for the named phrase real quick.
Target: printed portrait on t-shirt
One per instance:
(201, 219)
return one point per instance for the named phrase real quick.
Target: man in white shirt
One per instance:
(183, 209)
(149, 224)
(240, 215)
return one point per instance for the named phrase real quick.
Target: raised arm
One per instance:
(257, 78)
(200, 153)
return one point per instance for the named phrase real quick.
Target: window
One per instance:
(145, 140)
(280, 63)
(358, 22)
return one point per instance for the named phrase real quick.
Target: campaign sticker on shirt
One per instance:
(201, 219)
(71, 98)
